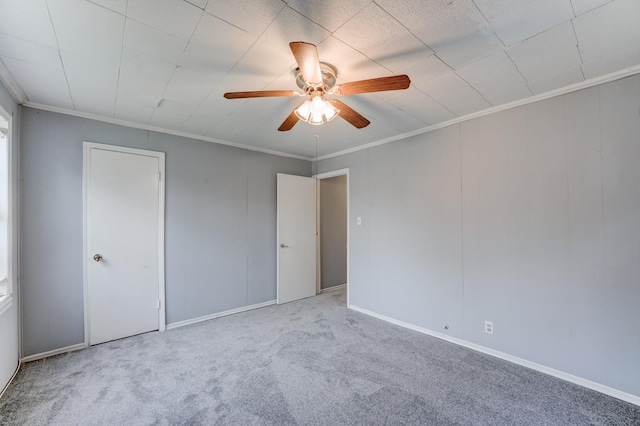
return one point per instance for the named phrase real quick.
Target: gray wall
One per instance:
(9, 318)
(333, 231)
(220, 224)
(528, 217)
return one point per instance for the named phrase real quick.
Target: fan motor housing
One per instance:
(329, 74)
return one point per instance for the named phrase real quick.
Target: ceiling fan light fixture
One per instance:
(304, 111)
(316, 111)
(330, 111)
(315, 120)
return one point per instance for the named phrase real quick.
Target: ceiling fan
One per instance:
(318, 79)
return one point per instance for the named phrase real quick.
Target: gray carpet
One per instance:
(311, 362)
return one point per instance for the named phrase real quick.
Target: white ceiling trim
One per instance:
(12, 86)
(536, 98)
(158, 129)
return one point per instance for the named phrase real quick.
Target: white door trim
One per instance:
(318, 240)
(86, 164)
(326, 175)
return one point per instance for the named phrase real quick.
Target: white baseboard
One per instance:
(219, 314)
(168, 327)
(54, 352)
(334, 288)
(630, 398)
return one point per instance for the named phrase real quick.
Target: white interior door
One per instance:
(123, 199)
(296, 204)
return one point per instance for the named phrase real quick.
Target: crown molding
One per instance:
(12, 85)
(536, 98)
(156, 129)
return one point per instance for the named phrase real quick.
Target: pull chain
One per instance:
(315, 164)
(315, 160)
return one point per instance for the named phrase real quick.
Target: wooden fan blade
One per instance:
(290, 121)
(350, 115)
(394, 82)
(259, 94)
(306, 55)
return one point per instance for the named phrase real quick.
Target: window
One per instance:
(5, 216)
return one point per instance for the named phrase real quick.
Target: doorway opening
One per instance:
(332, 270)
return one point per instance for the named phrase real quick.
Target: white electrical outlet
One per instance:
(488, 327)
(359, 221)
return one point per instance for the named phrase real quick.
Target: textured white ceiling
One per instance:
(166, 63)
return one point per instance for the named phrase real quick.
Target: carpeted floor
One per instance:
(311, 362)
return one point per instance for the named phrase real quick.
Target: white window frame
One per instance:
(6, 300)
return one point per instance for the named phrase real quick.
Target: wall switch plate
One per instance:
(488, 327)
(359, 221)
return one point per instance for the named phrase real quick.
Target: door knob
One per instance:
(282, 245)
(97, 257)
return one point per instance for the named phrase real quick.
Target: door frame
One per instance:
(86, 167)
(319, 177)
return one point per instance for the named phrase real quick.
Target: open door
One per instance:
(296, 233)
